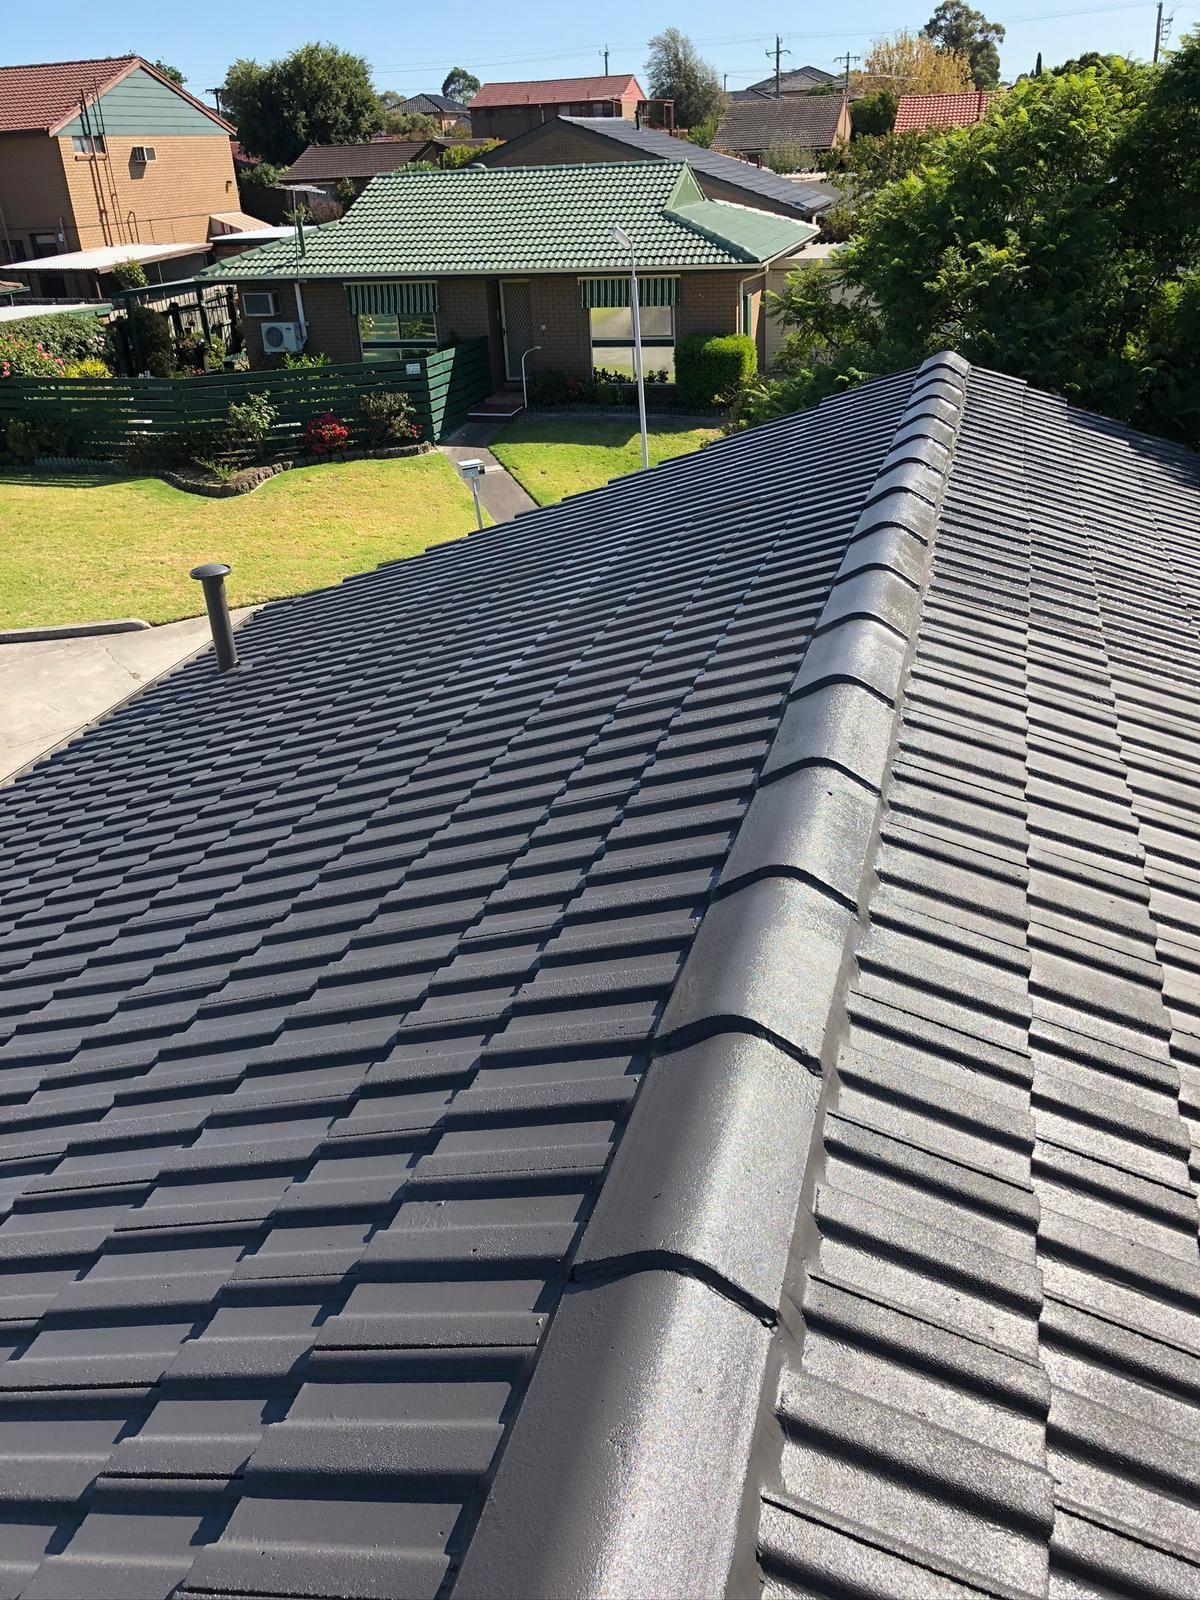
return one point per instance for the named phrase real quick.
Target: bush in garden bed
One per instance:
(710, 369)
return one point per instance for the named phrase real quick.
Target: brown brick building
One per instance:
(103, 153)
(504, 110)
(534, 259)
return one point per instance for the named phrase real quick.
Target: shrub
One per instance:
(27, 441)
(709, 370)
(301, 363)
(74, 336)
(791, 158)
(154, 341)
(128, 275)
(389, 417)
(326, 435)
(548, 388)
(88, 367)
(248, 425)
(23, 357)
(462, 155)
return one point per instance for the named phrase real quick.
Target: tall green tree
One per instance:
(676, 71)
(459, 84)
(316, 95)
(955, 26)
(1158, 164)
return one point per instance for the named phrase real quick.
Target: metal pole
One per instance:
(478, 508)
(1158, 33)
(212, 579)
(637, 358)
(524, 379)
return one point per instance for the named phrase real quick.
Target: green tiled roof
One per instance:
(526, 220)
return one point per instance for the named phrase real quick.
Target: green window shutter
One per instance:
(392, 299)
(615, 292)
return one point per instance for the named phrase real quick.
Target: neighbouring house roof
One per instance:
(555, 91)
(42, 98)
(436, 103)
(917, 112)
(322, 162)
(650, 1050)
(810, 121)
(799, 81)
(104, 257)
(807, 198)
(228, 223)
(528, 220)
(22, 313)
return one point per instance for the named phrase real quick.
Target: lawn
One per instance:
(559, 456)
(78, 550)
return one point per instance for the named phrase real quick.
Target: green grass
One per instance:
(79, 550)
(559, 456)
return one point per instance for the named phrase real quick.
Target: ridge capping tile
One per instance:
(610, 1478)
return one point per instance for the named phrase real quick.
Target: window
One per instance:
(45, 244)
(143, 153)
(86, 144)
(612, 339)
(385, 336)
(259, 302)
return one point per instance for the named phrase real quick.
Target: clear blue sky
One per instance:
(411, 47)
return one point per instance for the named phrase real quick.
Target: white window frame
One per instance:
(87, 144)
(261, 294)
(149, 154)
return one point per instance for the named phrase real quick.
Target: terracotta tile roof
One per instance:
(557, 91)
(916, 112)
(38, 97)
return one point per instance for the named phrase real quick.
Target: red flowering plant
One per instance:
(22, 357)
(326, 435)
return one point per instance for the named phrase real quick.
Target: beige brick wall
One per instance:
(33, 190)
(166, 201)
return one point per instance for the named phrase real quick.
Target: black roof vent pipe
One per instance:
(212, 578)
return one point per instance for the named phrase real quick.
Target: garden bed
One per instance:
(197, 480)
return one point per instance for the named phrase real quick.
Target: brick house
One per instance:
(926, 113)
(106, 153)
(524, 257)
(504, 110)
(572, 140)
(451, 116)
(753, 128)
(328, 166)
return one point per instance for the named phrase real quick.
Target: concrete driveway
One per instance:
(54, 687)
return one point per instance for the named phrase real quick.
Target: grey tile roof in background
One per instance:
(807, 120)
(834, 786)
(808, 199)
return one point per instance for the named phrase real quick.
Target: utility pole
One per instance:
(846, 60)
(606, 61)
(1158, 33)
(779, 50)
(216, 94)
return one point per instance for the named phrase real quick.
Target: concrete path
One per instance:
(502, 496)
(54, 688)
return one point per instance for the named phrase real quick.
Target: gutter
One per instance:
(631, 1466)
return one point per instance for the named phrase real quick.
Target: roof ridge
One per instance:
(694, 1226)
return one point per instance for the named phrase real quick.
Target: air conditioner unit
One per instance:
(280, 336)
(141, 154)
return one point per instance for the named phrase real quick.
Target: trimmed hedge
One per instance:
(710, 368)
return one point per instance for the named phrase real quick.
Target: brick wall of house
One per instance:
(33, 194)
(507, 122)
(710, 302)
(165, 201)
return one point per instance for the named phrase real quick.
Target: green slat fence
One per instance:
(104, 416)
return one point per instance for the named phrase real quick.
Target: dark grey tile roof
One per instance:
(798, 81)
(807, 120)
(833, 793)
(806, 199)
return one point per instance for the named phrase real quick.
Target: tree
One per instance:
(166, 70)
(389, 100)
(1088, 60)
(873, 114)
(787, 158)
(317, 95)
(459, 84)
(676, 71)
(410, 125)
(866, 166)
(907, 63)
(462, 155)
(955, 26)
(1158, 166)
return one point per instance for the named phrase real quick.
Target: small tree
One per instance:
(462, 155)
(873, 114)
(955, 26)
(415, 125)
(459, 84)
(792, 158)
(677, 72)
(908, 63)
(128, 275)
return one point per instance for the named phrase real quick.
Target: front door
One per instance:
(516, 315)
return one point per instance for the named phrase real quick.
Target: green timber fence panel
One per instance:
(104, 415)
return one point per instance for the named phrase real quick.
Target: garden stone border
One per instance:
(254, 477)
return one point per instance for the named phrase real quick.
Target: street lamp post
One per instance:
(626, 243)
